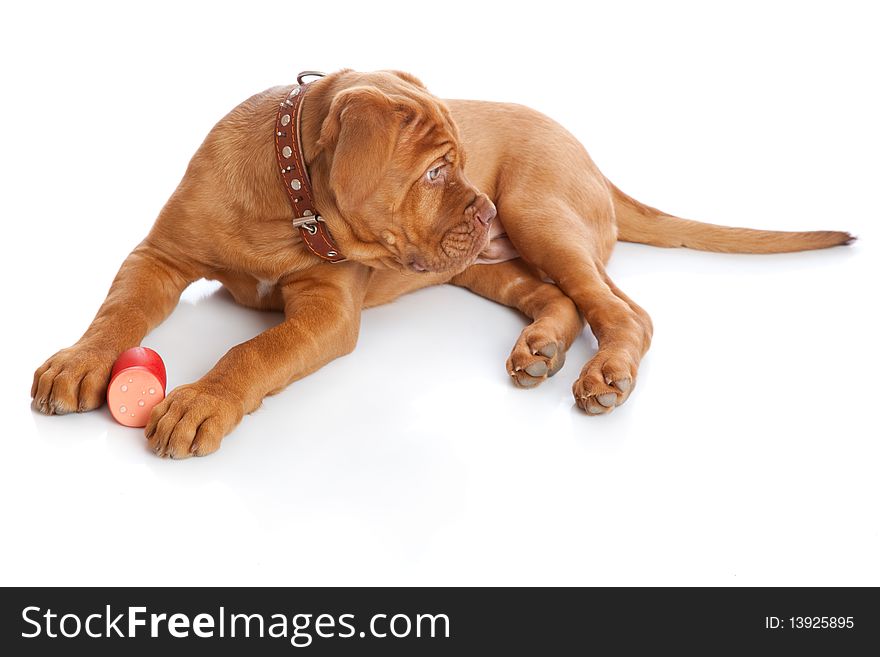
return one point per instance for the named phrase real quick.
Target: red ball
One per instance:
(137, 384)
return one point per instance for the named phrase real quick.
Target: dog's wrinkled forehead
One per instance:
(428, 132)
(427, 112)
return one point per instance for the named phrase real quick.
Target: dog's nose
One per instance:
(484, 210)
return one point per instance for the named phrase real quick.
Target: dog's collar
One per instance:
(292, 163)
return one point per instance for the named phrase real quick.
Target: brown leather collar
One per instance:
(292, 163)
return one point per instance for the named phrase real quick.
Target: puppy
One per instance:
(404, 183)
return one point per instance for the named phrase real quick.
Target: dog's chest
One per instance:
(251, 291)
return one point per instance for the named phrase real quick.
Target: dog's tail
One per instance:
(637, 222)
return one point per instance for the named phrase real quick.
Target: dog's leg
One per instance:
(143, 293)
(572, 250)
(540, 350)
(322, 319)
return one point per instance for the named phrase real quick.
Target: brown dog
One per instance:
(387, 164)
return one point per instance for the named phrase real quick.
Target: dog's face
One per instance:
(396, 172)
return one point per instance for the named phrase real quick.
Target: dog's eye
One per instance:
(434, 173)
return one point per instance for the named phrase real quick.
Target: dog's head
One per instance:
(393, 165)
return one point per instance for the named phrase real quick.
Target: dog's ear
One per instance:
(360, 133)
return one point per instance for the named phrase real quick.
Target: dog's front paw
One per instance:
(192, 421)
(72, 381)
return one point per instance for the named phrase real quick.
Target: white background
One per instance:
(748, 453)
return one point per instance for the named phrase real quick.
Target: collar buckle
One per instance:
(309, 222)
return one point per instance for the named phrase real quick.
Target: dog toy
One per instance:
(137, 384)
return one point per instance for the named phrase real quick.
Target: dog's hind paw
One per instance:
(605, 382)
(536, 356)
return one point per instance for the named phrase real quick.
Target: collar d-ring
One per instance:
(309, 74)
